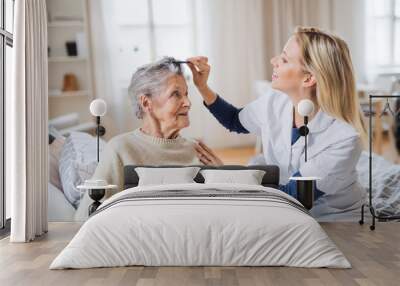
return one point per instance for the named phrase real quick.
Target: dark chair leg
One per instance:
(372, 227)
(361, 221)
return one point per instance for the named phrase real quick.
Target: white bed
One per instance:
(261, 228)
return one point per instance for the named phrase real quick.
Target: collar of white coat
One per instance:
(320, 122)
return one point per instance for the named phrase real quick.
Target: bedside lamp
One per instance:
(98, 108)
(97, 188)
(305, 108)
(305, 186)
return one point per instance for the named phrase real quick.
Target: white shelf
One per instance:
(66, 59)
(69, 21)
(65, 24)
(63, 94)
(146, 25)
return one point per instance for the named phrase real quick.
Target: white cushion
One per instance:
(163, 176)
(54, 159)
(78, 163)
(248, 177)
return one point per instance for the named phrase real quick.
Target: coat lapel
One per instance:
(320, 122)
(317, 125)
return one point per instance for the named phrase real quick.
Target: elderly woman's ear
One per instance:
(146, 103)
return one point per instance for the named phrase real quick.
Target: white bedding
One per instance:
(183, 231)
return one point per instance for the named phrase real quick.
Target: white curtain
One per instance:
(27, 135)
(282, 16)
(101, 26)
(231, 34)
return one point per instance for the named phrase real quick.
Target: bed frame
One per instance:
(270, 179)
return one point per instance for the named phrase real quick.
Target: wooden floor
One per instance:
(235, 156)
(374, 255)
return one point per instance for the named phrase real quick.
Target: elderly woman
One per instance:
(159, 94)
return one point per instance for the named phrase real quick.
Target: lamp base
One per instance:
(101, 130)
(305, 192)
(96, 195)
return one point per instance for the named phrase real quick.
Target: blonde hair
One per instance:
(327, 57)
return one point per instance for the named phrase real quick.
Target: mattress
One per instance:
(201, 225)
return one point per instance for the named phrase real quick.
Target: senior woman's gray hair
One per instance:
(150, 79)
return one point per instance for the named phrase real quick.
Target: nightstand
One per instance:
(96, 193)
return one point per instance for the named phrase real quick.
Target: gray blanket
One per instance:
(385, 183)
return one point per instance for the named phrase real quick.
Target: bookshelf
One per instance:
(68, 21)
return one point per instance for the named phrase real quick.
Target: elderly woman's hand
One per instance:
(206, 155)
(201, 70)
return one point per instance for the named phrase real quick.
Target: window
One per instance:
(147, 30)
(383, 36)
(6, 44)
(137, 32)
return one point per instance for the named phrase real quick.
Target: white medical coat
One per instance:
(334, 148)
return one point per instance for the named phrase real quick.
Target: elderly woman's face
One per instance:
(171, 107)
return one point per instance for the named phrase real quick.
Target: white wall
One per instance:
(349, 23)
(230, 34)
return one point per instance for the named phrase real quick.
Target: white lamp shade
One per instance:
(98, 107)
(305, 107)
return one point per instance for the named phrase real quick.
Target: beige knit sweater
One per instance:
(137, 148)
